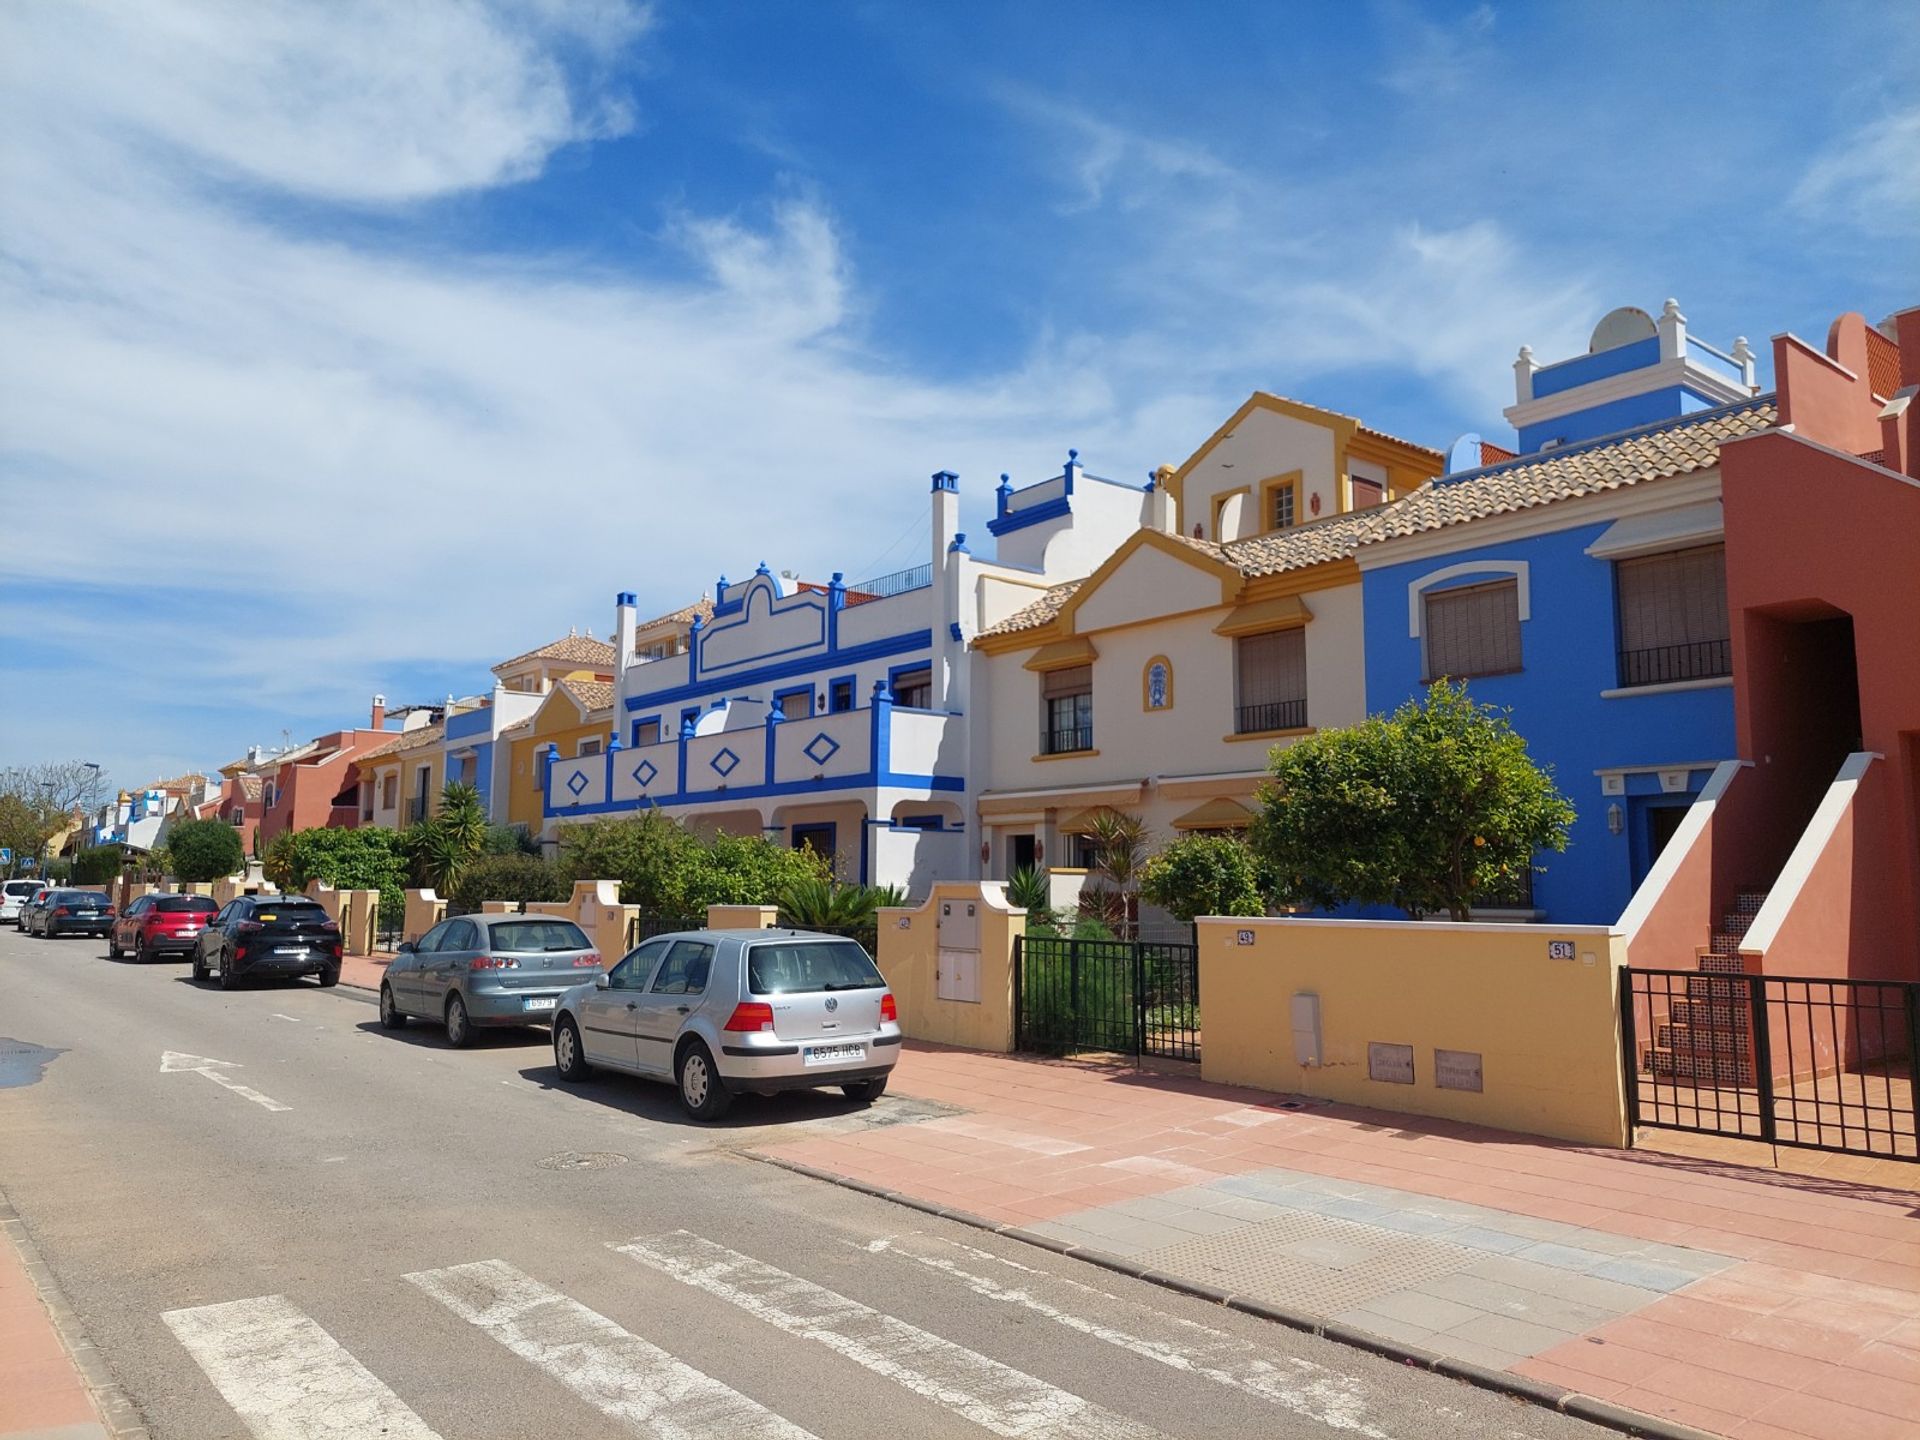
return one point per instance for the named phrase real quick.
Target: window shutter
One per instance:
(1076, 680)
(1272, 667)
(1673, 616)
(1474, 630)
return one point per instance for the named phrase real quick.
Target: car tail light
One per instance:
(493, 962)
(61, 910)
(248, 927)
(748, 1017)
(888, 1009)
(589, 961)
(326, 925)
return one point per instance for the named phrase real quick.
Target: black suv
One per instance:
(281, 936)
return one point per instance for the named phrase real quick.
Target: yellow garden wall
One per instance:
(742, 917)
(424, 911)
(911, 958)
(1546, 1029)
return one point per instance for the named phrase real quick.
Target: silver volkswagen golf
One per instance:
(718, 1012)
(485, 970)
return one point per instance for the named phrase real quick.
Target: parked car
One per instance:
(485, 970)
(54, 913)
(160, 925)
(14, 895)
(278, 936)
(37, 896)
(719, 1012)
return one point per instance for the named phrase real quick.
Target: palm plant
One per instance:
(826, 904)
(1120, 855)
(1028, 889)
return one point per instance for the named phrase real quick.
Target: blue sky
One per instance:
(356, 347)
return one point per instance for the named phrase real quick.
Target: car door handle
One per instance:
(633, 1004)
(685, 1008)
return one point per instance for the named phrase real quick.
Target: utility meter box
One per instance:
(957, 972)
(1306, 1029)
(959, 925)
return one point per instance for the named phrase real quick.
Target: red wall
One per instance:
(1812, 534)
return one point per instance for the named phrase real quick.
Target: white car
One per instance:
(13, 895)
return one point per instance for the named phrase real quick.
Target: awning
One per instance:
(995, 804)
(1080, 822)
(1281, 613)
(1215, 815)
(1063, 654)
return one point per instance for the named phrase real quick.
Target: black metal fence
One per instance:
(1066, 741)
(641, 928)
(1132, 997)
(1270, 715)
(1664, 664)
(1816, 1063)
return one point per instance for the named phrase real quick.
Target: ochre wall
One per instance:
(909, 956)
(1547, 1030)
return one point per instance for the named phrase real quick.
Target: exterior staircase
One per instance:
(1707, 1035)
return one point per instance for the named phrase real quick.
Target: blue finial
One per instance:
(1153, 480)
(1073, 457)
(881, 694)
(960, 543)
(761, 569)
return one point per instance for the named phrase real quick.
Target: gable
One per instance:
(1150, 583)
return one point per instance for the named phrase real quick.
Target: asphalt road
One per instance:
(346, 1232)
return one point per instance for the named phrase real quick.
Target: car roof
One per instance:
(745, 936)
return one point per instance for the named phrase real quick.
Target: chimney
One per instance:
(950, 571)
(378, 719)
(626, 629)
(1160, 502)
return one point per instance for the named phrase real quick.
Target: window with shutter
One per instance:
(1066, 710)
(1673, 616)
(1270, 682)
(1366, 493)
(1473, 630)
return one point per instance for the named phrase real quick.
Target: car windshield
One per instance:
(22, 887)
(531, 937)
(790, 967)
(196, 904)
(83, 898)
(292, 909)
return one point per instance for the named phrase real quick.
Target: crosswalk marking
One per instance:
(1311, 1390)
(613, 1370)
(286, 1377)
(992, 1395)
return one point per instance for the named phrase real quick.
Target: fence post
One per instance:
(1913, 1053)
(1762, 1053)
(1073, 982)
(1630, 1051)
(1020, 993)
(1139, 1000)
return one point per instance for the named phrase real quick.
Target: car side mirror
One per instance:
(406, 948)
(602, 981)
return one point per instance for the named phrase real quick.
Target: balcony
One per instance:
(1668, 664)
(1270, 715)
(1072, 739)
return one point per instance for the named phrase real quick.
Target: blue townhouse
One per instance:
(835, 715)
(1581, 582)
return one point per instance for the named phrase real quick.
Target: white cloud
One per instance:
(1434, 59)
(1870, 178)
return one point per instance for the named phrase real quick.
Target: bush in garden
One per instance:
(1203, 875)
(506, 877)
(204, 850)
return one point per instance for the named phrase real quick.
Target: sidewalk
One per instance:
(1744, 1301)
(42, 1393)
(363, 972)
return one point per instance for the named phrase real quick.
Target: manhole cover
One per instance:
(583, 1160)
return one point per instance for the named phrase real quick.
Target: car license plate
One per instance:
(831, 1054)
(295, 952)
(538, 1002)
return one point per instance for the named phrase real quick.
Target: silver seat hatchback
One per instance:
(721, 1012)
(473, 970)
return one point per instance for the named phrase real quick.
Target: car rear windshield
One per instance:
(532, 937)
(22, 887)
(292, 909)
(197, 904)
(794, 967)
(80, 897)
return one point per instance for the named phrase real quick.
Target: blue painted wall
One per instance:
(1568, 653)
(475, 728)
(1668, 403)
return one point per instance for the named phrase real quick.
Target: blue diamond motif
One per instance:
(821, 748)
(725, 763)
(576, 782)
(644, 773)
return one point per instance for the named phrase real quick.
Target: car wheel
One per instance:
(569, 1056)
(114, 952)
(703, 1094)
(228, 980)
(459, 1027)
(329, 977)
(142, 955)
(390, 1016)
(51, 930)
(199, 967)
(866, 1092)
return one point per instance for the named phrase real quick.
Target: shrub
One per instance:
(205, 850)
(667, 870)
(369, 859)
(1203, 875)
(97, 864)
(1028, 890)
(505, 877)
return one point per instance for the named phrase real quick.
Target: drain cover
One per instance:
(583, 1160)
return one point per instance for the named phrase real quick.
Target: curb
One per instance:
(117, 1413)
(1521, 1387)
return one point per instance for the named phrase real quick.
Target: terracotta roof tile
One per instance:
(1588, 468)
(590, 694)
(1315, 543)
(701, 609)
(1037, 613)
(579, 649)
(1492, 454)
(405, 742)
(1883, 363)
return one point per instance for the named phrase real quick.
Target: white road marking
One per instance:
(1314, 1392)
(290, 1019)
(992, 1395)
(174, 1061)
(613, 1370)
(286, 1377)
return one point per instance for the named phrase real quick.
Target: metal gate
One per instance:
(1823, 1064)
(1134, 997)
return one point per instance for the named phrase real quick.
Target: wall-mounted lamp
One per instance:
(1616, 820)
(986, 851)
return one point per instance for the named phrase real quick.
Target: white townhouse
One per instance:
(839, 716)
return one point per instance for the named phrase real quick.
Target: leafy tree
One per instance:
(205, 850)
(647, 853)
(27, 823)
(98, 864)
(369, 859)
(1203, 875)
(506, 877)
(1435, 807)
(747, 870)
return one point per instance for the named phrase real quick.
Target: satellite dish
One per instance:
(1621, 327)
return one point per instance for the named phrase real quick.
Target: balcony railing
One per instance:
(1067, 741)
(1665, 664)
(917, 577)
(1270, 715)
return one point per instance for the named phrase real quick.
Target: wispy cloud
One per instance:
(1870, 177)
(1434, 58)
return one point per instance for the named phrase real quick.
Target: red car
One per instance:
(160, 925)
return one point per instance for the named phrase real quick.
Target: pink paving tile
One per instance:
(1597, 1386)
(1870, 1391)
(1894, 1361)
(1728, 1356)
(1817, 1417)
(1618, 1364)
(1686, 1412)
(1734, 1395)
